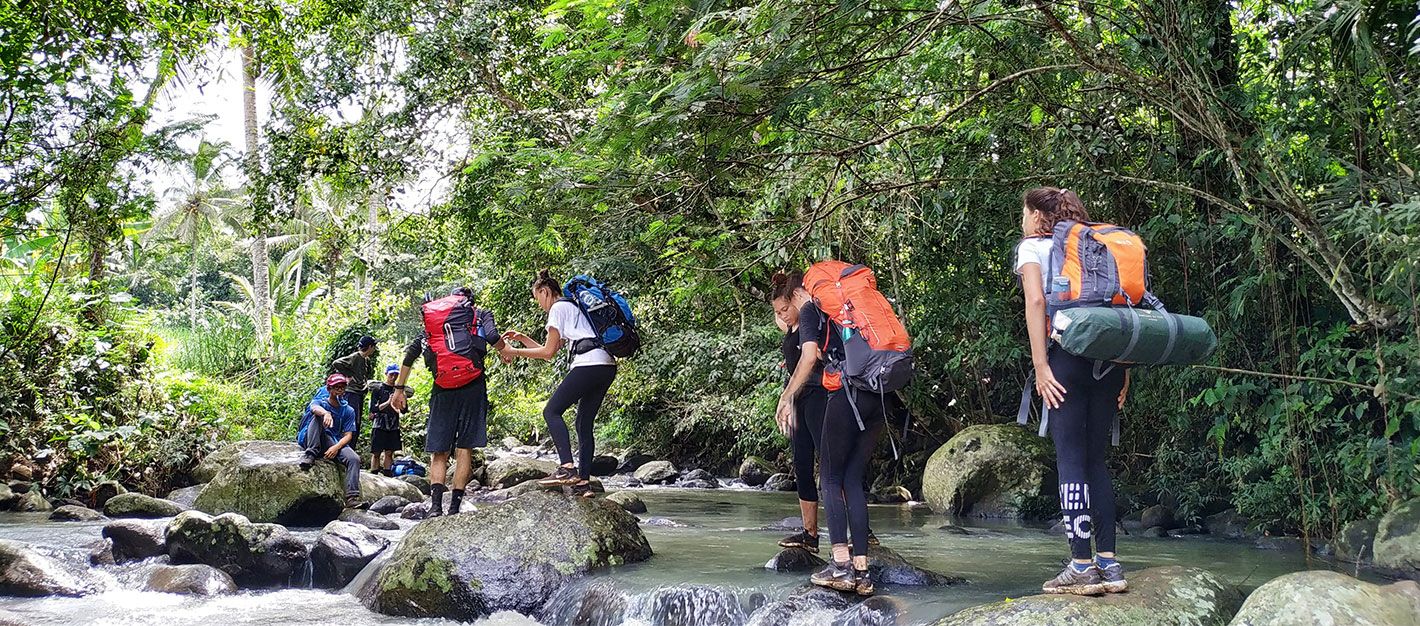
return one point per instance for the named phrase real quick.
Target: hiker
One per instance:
(793, 309)
(861, 384)
(357, 368)
(590, 376)
(455, 341)
(1081, 408)
(327, 429)
(385, 438)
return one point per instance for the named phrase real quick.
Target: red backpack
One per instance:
(451, 328)
(877, 352)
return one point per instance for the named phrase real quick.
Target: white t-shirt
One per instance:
(1035, 250)
(573, 325)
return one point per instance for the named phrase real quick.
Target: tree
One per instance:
(260, 276)
(202, 205)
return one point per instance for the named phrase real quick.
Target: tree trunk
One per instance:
(260, 272)
(192, 291)
(372, 245)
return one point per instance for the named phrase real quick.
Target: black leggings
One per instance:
(808, 428)
(844, 452)
(1081, 429)
(585, 386)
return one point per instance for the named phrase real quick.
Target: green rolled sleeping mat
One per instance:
(1130, 335)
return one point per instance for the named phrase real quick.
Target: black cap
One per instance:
(366, 341)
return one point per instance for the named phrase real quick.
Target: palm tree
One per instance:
(261, 279)
(203, 205)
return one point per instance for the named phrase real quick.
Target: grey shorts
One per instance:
(458, 418)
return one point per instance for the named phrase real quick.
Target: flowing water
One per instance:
(713, 543)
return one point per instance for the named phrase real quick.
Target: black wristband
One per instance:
(399, 387)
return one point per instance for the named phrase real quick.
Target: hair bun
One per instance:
(779, 279)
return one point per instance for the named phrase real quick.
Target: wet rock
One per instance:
(891, 568)
(191, 580)
(699, 484)
(416, 511)
(603, 465)
(874, 611)
(663, 522)
(374, 486)
(219, 459)
(27, 573)
(101, 552)
(511, 556)
(699, 475)
(529, 486)
(390, 504)
(1154, 531)
(71, 513)
(990, 470)
(1282, 544)
(20, 486)
(1397, 544)
(185, 496)
(1187, 531)
(137, 539)
(7, 497)
(589, 605)
(254, 554)
(103, 492)
(1057, 529)
(629, 501)
(509, 443)
(515, 470)
(693, 606)
(891, 494)
(419, 482)
(953, 529)
(341, 551)
(632, 460)
(1228, 525)
(1178, 596)
(794, 560)
(792, 611)
(1325, 598)
(141, 506)
(657, 472)
(755, 471)
(32, 502)
(1157, 515)
(1355, 541)
(22, 471)
(262, 481)
(781, 482)
(368, 519)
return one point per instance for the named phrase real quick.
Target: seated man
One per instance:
(385, 436)
(327, 428)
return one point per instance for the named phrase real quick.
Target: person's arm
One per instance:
(1124, 391)
(808, 360)
(335, 449)
(532, 349)
(399, 399)
(1052, 393)
(347, 426)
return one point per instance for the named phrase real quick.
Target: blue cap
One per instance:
(392, 368)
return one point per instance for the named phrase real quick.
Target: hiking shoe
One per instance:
(835, 575)
(1069, 581)
(435, 511)
(307, 460)
(583, 490)
(563, 476)
(863, 582)
(873, 538)
(1113, 577)
(801, 539)
(354, 502)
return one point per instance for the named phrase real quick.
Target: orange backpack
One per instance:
(1095, 264)
(877, 352)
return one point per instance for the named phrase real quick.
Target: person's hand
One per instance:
(1052, 393)
(1124, 391)
(505, 357)
(330, 454)
(784, 416)
(513, 335)
(398, 400)
(328, 420)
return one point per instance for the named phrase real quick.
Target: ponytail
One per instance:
(1055, 205)
(544, 280)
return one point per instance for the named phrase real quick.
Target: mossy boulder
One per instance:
(1397, 544)
(512, 556)
(253, 554)
(142, 506)
(510, 471)
(418, 482)
(214, 463)
(263, 482)
(755, 471)
(191, 580)
(25, 572)
(71, 513)
(32, 502)
(1356, 540)
(1158, 596)
(374, 486)
(1324, 598)
(7, 497)
(628, 500)
(990, 470)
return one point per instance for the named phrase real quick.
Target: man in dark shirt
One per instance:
(356, 368)
(458, 417)
(385, 436)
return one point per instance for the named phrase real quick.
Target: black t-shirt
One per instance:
(388, 419)
(812, 325)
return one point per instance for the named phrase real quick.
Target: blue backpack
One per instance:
(407, 467)
(612, 321)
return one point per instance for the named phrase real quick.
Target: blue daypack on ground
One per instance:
(406, 467)
(609, 314)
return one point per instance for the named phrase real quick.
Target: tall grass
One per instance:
(221, 350)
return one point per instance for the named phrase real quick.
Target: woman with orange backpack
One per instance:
(1080, 403)
(793, 309)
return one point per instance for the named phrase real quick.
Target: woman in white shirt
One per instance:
(1082, 408)
(585, 385)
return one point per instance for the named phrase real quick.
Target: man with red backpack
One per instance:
(455, 341)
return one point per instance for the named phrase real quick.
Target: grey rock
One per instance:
(103, 492)
(953, 529)
(1326, 598)
(1397, 544)
(794, 560)
(389, 504)
(186, 496)
(1157, 515)
(32, 502)
(755, 471)
(629, 501)
(604, 465)
(657, 472)
(101, 552)
(142, 506)
(7, 497)
(27, 573)
(781, 482)
(367, 519)
(416, 511)
(263, 482)
(991, 470)
(632, 460)
(510, 471)
(1229, 525)
(137, 539)
(254, 554)
(889, 567)
(892, 494)
(1355, 541)
(1154, 531)
(341, 551)
(71, 513)
(693, 606)
(1172, 595)
(421, 483)
(191, 580)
